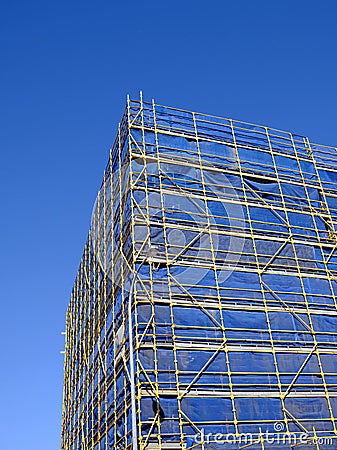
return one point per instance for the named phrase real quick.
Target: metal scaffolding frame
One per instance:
(220, 237)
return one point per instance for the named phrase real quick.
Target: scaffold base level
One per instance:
(218, 239)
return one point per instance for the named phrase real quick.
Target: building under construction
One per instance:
(204, 312)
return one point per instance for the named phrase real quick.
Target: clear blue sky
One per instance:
(66, 67)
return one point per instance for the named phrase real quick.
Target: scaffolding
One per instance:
(211, 260)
